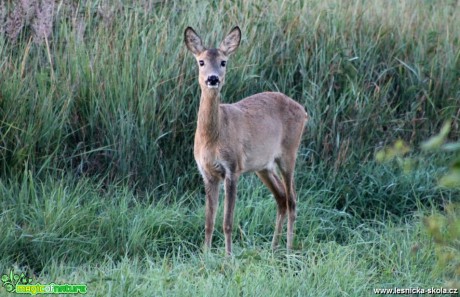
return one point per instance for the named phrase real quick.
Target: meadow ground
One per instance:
(98, 103)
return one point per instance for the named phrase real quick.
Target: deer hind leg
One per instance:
(274, 184)
(229, 205)
(286, 167)
(212, 203)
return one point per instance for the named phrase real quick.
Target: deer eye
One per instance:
(223, 63)
(201, 62)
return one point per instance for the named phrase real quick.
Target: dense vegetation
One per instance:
(98, 103)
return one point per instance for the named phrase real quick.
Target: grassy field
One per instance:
(98, 104)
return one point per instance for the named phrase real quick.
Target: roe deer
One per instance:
(253, 134)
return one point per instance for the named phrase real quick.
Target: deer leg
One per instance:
(229, 206)
(287, 171)
(212, 203)
(273, 183)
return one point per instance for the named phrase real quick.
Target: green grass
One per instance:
(69, 233)
(99, 186)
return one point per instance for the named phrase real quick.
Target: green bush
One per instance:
(443, 227)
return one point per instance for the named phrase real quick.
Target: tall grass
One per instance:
(98, 103)
(113, 93)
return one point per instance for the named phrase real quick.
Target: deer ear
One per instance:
(193, 41)
(231, 42)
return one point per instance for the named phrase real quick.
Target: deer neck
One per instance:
(208, 115)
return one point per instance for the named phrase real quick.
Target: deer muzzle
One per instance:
(213, 81)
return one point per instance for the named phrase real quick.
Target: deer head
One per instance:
(212, 62)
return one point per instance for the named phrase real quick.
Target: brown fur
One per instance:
(257, 134)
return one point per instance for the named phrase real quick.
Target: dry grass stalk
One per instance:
(2, 17)
(15, 22)
(42, 24)
(37, 14)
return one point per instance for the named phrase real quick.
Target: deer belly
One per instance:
(264, 159)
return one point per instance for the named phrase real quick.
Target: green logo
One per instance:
(10, 281)
(22, 284)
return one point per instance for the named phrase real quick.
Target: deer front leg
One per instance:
(229, 206)
(212, 203)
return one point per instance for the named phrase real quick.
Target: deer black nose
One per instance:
(213, 80)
